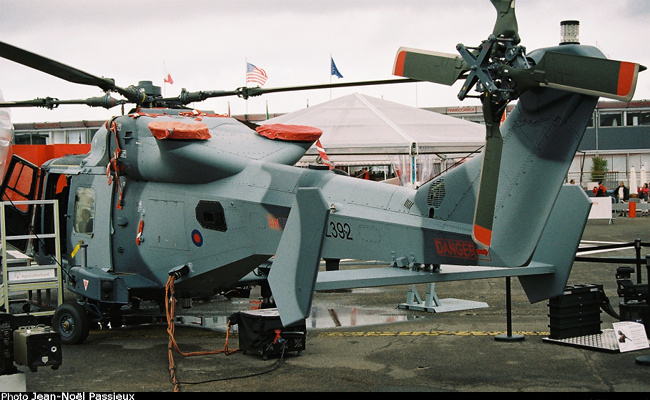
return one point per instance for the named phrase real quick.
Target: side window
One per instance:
(210, 215)
(84, 210)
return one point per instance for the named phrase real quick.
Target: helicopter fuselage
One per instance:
(198, 203)
(142, 206)
(207, 194)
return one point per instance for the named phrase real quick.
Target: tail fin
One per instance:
(540, 138)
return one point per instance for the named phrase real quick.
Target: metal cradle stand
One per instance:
(21, 277)
(432, 303)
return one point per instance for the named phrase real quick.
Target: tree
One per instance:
(598, 169)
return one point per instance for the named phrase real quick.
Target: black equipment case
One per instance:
(576, 312)
(261, 331)
(37, 346)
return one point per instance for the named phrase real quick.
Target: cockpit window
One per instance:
(84, 210)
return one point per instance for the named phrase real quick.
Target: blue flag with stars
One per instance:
(335, 71)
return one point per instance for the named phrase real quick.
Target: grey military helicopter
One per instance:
(178, 192)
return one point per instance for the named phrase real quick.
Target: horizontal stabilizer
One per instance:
(429, 66)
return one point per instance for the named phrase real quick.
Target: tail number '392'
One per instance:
(339, 231)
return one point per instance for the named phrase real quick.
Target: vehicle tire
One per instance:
(72, 323)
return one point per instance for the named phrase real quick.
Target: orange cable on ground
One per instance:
(170, 308)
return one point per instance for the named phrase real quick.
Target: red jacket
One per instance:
(600, 191)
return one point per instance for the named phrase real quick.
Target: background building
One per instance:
(618, 132)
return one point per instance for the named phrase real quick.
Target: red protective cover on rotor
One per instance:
(179, 130)
(299, 133)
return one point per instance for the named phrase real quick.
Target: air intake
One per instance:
(436, 193)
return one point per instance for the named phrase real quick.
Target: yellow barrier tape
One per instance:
(430, 333)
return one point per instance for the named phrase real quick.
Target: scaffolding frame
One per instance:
(19, 274)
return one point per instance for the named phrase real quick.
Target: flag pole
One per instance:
(246, 85)
(330, 76)
(164, 79)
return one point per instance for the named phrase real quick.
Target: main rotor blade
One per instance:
(52, 67)
(431, 66)
(190, 97)
(105, 101)
(27, 103)
(246, 92)
(579, 74)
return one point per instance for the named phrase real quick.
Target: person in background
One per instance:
(643, 193)
(622, 195)
(600, 190)
(643, 197)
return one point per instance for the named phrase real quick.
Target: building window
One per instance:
(611, 119)
(635, 118)
(31, 138)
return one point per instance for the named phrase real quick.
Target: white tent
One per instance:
(363, 130)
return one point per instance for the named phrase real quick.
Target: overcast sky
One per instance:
(204, 45)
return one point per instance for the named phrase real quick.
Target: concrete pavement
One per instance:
(375, 347)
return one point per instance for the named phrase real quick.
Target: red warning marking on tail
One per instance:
(482, 235)
(398, 70)
(626, 78)
(465, 249)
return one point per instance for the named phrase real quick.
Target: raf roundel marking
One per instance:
(197, 238)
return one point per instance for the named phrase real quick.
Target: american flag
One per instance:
(255, 75)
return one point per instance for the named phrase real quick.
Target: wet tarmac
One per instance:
(361, 340)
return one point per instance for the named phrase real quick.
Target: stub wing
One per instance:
(194, 147)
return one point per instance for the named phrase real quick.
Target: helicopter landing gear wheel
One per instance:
(72, 323)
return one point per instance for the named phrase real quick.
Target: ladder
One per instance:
(20, 275)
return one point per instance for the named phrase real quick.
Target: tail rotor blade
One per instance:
(486, 201)
(432, 66)
(592, 76)
(579, 74)
(506, 24)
